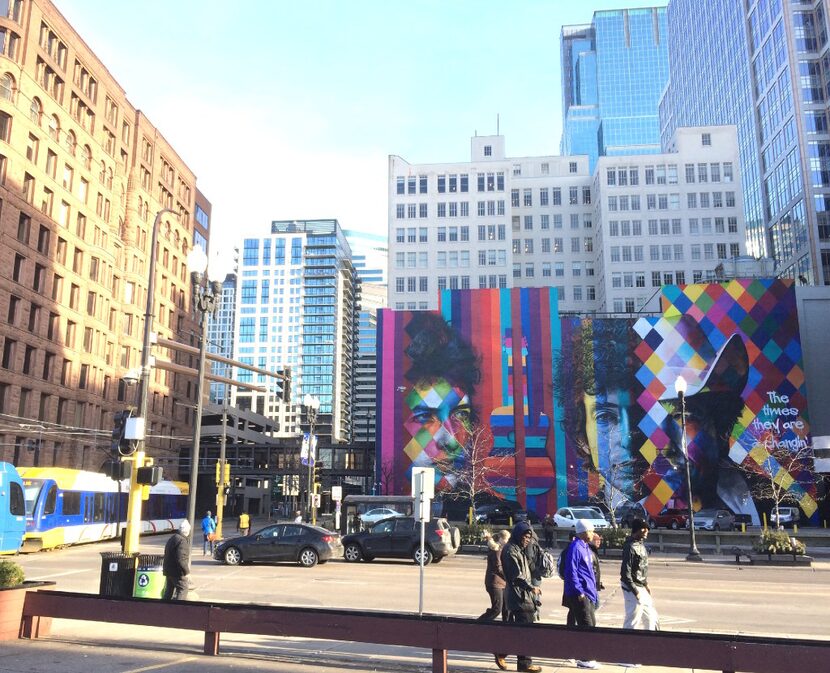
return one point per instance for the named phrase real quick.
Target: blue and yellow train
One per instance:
(66, 507)
(12, 509)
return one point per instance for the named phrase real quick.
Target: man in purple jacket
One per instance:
(580, 592)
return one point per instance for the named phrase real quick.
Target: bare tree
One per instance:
(387, 472)
(772, 479)
(473, 469)
(609, 494)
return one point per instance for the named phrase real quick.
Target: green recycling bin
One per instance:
(149, 576)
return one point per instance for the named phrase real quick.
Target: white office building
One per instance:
(668, 218)
(546, 221)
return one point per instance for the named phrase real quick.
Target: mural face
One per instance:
(555, 411)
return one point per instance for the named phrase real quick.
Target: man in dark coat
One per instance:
(177, 564)
(520, 593)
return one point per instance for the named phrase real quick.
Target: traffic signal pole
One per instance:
(222, 476)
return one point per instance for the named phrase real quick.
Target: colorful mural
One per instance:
(569, 409)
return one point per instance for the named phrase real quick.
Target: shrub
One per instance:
(11, 574)
(778, 542)
(613, 538)
(473, 534)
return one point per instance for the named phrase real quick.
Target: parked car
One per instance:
(669, 518)
(297, 542)
(504, 513)
(787, 516)
(626, 512)
(400, 537)
(566, 517)
(378, 514)
(714, 519)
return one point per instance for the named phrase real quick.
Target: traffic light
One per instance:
(119, 420)
(318, 468)
(117, 469)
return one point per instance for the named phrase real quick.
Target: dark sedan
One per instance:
(295, 542)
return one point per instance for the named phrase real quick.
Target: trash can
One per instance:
(149, 576)
(117, 574)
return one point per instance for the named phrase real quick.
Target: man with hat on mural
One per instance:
(714, 403)
(580, 592)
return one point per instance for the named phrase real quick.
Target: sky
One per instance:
(289, 110)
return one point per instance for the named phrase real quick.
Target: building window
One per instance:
(706, 139)
(488, 150)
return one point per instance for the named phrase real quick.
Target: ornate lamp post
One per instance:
(205, 300)
(680, 387)
(312, 405)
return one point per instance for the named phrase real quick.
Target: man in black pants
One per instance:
(520, 594)
(580, 595)
(177, 564)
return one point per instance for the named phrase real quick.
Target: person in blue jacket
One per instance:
(580, 591)
(208, 530)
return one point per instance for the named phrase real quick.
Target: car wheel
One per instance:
(232, 556)
(717, 526)
(674, 525)
(308, 558)
(352, 553)
(652, 524)
(416, 556)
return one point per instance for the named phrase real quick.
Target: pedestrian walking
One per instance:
(176, 565)
(244, 524)
(298, 517)
(494, 581)
(209, 533)
(580, 592)
(533, 552)
(548, 526)
(640, 612)
(520, 593)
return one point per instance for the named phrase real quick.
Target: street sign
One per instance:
(337, 493)
(315, 500)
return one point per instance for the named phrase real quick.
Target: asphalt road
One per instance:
(716, 596)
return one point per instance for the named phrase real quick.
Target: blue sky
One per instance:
(289, 110)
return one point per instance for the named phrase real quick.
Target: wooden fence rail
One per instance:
(721, 652)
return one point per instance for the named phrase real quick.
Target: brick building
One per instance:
(82, 175)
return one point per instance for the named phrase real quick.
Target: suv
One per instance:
(787, 516)
(505, 513)
(626, 512)
(400, 537)
(669, 518)
(714, 519)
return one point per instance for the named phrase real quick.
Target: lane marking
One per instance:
(155, 667)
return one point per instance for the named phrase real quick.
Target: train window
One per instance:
(71, 503)
(98, 511)
(17, 504)
(51, 498)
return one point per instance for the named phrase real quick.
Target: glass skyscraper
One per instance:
(761, 64)
(613, 73)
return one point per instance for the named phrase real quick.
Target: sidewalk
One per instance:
(74, 647)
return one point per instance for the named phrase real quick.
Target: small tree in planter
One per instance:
(11, 574)
(12, 593)
(778, 542)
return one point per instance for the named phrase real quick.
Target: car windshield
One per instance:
(586, 513)
(707, 513)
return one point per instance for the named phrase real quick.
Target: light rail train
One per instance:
(66, 507)
(12, 509)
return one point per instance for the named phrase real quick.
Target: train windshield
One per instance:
(31, 490)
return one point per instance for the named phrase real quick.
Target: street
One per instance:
(717, 596)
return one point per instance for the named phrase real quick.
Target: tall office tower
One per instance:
(296, 307)
(667, 218)
(83, 174)
(491, 222)
(364, 417)
(613, 72)
(758, 65)
(370, 254)
(221, 338)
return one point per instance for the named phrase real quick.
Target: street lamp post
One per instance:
(312, 405)
(134, 498)
(680, 386)
(205, 299)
